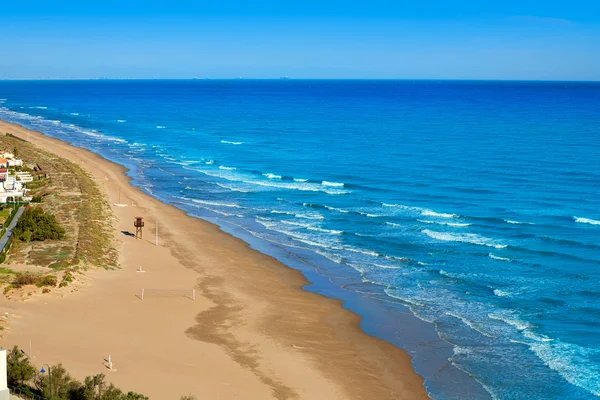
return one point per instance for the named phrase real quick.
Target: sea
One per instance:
(460, 219)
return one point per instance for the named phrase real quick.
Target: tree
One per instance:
(19, 369)
(57, 384)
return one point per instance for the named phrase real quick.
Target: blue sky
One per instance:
(463, 39)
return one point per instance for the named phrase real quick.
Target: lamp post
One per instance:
(49, 377)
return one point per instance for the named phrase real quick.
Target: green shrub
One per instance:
(25, 278)
(47, 280)
(35, 225)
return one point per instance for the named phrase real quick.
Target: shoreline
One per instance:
(275, 339)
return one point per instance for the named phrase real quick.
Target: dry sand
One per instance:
(252, 332)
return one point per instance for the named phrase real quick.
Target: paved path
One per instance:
(10, 228)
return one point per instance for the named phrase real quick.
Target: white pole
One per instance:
(30, 356)
(142, 294)
(194, 294)
(157, 231)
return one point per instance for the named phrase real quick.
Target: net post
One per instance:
(194, 294)
(142, 294)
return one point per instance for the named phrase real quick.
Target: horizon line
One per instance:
(285, 78)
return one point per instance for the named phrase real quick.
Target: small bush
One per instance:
(46, 290)
(47, 280)
(36, 199)
(25, 278)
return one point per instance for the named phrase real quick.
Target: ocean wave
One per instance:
(215, 203)
(300, 180)
(501, 293)
(589, 221)
(329, 231)
(387, 266)
(227, 168)
(508, 221)
(38, 107)
(431, 213)
(209, 162)
(370, 215)
(333, 184)
(160, 127)
(393, 224)
(510, 317)
(498, 258)
(101, 136)
(299, 224)
(456, 224)
(464, 238)
(470, 324)
(301, 186)
(572, 362)
(272, 176)
(124, 120)
(336, 209)
(74, 113)
(232, 188)
(228, 142)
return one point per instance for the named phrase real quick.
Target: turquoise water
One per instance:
(473, 204)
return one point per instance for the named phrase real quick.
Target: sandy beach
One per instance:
(251, 333)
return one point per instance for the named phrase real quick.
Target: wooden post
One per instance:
(142, 294)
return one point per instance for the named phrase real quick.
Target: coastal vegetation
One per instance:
(35, 224)
(70, 226)
(58, 384)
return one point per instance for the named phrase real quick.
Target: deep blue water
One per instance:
(474, 204)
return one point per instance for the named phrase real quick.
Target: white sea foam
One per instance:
(74, 113)
(470, 324)
(215, 203)
(300, 180)
(232, 188)
(160, 127)
(124, 120)
(510, 317)
(96, 135)
(330, 231)
(501, 293)
(333, 184)
(336, 209)
(582, 220)
(299, 224)
(39, 107)
(393, 224)
(228, 142)
(431, 213)
(210, 162)
(369, 215)
(227, 168)
(572, 362)
(498, 257)
(387, 266)
(464, 238)
(455, 224)
(272, 176)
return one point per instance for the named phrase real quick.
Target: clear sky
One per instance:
(430, 39)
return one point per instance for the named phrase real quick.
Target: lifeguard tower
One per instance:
(139, 224)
